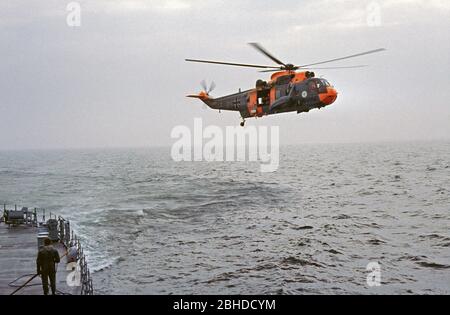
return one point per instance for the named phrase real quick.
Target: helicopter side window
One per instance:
(313, 86)
(284, 80)
(277, 93)
(291, 89)
(294, 90)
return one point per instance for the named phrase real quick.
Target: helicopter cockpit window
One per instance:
(325, 82)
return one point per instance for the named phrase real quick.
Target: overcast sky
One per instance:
(120, 78)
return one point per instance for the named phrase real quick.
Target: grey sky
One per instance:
(120, 79)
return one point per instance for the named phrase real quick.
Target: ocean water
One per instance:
(153, 226)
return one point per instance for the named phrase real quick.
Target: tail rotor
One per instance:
(204, 95)
(207, 90)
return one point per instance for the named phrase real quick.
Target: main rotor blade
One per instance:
(328, 68)
(320, 68)
(231, 64)
(272, 70)
(344, 58)
(262, 50)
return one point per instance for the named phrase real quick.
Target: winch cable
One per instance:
(23, 286)
(13, 285)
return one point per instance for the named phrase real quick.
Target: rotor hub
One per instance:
(290, 67)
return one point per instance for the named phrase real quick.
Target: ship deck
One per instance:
(18, 252)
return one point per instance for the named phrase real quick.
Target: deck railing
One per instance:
(71, 240)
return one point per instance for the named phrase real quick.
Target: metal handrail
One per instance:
(70, 239)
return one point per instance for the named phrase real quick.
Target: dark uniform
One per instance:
(45, 262)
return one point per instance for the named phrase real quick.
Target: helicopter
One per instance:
(291, 88)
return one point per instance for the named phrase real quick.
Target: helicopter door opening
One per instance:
(263, 97)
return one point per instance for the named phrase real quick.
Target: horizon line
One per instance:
(154, 146)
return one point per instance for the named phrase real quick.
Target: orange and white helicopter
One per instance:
(288, 90)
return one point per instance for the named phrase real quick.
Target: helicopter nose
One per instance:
(329, 97)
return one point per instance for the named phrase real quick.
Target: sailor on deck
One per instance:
(45, 262)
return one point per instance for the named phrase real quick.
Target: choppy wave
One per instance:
(153, 226)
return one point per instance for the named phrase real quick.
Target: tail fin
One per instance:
(194, 96)
(202, 96)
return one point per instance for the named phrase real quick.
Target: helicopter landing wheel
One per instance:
(243, 123)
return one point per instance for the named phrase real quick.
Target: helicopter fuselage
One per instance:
(287, 91)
